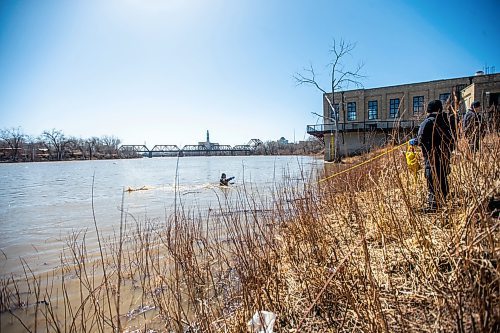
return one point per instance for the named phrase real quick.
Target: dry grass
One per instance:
(349, 254)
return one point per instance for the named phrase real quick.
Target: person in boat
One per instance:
(224, 181)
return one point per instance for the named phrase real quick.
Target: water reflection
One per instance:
(42, 203)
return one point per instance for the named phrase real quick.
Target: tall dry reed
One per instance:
(352, 253)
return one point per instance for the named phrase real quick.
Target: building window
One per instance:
(394, 108)
(334, 114)
(351, 111)
(372, 110)
(418, 104)
(444, 97)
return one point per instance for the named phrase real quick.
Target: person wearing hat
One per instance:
(436, 138)
(224, 181)
(472, 126)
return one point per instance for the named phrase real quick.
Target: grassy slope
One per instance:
(348, 254)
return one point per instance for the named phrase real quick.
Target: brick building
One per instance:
(368, 118)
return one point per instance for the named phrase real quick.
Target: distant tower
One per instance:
(208, 137)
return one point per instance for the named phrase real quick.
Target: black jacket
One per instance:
(436, 136)
(472, 124)
(225, 181)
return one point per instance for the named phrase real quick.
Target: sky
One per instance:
(164, 72)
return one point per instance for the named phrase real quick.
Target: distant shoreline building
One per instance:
(368, 118)
(207, 144)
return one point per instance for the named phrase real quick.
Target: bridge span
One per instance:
(202, 149)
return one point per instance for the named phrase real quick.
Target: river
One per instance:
(43, 204)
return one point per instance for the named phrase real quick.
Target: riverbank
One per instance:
(352, 252)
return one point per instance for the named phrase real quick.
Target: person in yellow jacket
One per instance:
(412, 160)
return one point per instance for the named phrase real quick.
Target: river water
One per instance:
(42, 204)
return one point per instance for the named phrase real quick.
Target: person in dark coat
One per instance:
(224, 181)
(436, 136)
(472, 126)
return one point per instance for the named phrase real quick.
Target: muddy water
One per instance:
(42, 205)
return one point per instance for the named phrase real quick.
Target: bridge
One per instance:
(202, 149)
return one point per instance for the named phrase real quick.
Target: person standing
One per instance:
(436, 138)
(472, 126)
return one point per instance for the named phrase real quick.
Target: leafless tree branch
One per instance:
(56, 140)
(340, 78)
(14, 138)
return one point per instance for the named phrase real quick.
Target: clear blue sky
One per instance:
(164, 72)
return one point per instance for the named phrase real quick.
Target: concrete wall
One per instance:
(351, 143)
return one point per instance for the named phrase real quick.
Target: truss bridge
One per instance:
(201, 149)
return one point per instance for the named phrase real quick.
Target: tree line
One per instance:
(311, 146)
(54, 145)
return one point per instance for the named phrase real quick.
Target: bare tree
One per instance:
(14, 138)
(77, 148)
(340, 79)
(55, 140)
(271, 147)
(314, 145)
(111, 144)
(93, 144)
(32, 144)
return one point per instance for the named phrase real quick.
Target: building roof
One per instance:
(471, 79)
